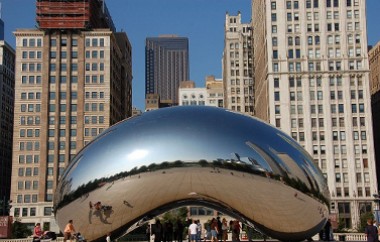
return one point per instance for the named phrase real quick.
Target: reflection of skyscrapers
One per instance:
(7, 82)
(72, 83)
(311, 80)
(166, 65)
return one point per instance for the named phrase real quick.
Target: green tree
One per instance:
(20, 230)
(363, 220)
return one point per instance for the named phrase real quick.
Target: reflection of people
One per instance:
(236, 230)
(371, 231)
(224, 229)
(108, 238)
(37, 231)
(69, 231)
(328, 231)
(214, 230)
(193, 231)
(157, 231)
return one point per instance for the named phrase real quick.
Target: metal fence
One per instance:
(337, 237)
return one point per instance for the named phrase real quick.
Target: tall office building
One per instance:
(166, 65)
(72, 82)
(312, 81)
(237, 65)
(374, 66)
(7, 83)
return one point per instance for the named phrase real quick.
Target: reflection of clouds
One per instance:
(137, 154)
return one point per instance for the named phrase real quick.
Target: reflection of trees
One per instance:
(231, 165)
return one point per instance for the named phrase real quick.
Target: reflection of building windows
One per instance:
(201, 211)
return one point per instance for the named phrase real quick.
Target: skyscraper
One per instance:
(312, 81)
(166, 65)
(237, 65)
(374, 64)
(72, 82)
(7, 83)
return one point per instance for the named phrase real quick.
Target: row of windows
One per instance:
(31, 54)
(346, 193)
(31, 67)
(28, 159)
(95, 54)
(63, 79)
(63, 95)
(343, 177)
(62, 107)
(30, 132)
(337, 149)
(32, 42)
(61, 146)
(30, 108)
(27, 198)
(94, 95)
(94, 66)
(94, 79)
(94, 42)
(62, 120)
(62, 132)
(234, 82)
(335, 122)
(27, 185)
(193, 103)
(32, 211)
(94, 119)
(316, 66)
(318, 95)
(92, 132)
(30, 95)
(359, 163)
(28, 171)
(63, 67)
(333, 81)
(29, 146)
(315, 4)
(63, 54)
(30, 120)
(93, 107)
(334, 108)
(53, 42)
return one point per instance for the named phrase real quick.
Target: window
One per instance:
(274, 17)
(273, 5)
(274, 29)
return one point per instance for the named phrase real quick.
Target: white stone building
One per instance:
(312, 81)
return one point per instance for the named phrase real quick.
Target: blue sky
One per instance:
(202, 21)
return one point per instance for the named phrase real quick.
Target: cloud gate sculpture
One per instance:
(173, 157)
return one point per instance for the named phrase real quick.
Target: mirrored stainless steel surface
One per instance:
(208, 156)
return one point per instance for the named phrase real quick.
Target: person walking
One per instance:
(193, 228)
(371, 231)
(214, 230)
(69, 231)
(199, 231)
(108, 238)
(224, 229)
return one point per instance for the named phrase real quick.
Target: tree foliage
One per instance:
(363, 220)
(20, 230)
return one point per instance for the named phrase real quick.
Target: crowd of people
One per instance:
(214, 230)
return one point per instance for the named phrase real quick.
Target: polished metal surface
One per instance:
(171, 157)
